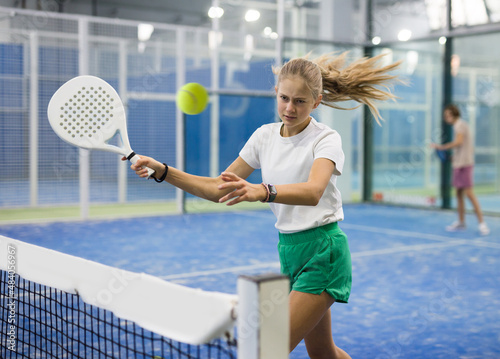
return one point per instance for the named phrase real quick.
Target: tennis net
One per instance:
(54, 305)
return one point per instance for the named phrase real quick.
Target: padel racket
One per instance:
(87, 112)
(443, 155)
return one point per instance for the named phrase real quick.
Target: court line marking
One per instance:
(409, 248)
(396, 232)
(450, 242)
(480, 241)
(221, 271)
(375, 252)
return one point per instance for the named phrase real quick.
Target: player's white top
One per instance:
(463, 155)
(285, 160)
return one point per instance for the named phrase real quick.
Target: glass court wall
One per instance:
(39, 50)
(405, 168)
(476, 90)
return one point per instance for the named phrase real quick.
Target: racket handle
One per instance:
(136, 158)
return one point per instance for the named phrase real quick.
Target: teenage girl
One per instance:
(300, 160)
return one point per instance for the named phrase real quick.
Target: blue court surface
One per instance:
(418, 291)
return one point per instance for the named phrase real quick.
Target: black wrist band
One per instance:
(162, 178)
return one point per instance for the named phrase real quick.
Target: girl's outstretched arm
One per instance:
(200, 186)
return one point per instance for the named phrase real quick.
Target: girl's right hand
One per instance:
(140, 166)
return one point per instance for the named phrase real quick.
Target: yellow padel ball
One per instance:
(192, 98)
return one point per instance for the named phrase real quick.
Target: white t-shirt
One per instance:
(286, 160)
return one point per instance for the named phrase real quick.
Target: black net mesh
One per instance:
(37, 321)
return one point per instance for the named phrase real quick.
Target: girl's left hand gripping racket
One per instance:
(87, 112)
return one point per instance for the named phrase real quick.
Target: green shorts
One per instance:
(317, 260)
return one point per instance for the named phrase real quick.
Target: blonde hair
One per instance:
(363, 81)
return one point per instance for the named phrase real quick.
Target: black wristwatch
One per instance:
(271, 192)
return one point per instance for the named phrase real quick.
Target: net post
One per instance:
(263, 317)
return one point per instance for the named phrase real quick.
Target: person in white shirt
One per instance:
(300, 160)
(462, 163)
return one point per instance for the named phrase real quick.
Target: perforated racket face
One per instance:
(87, 112)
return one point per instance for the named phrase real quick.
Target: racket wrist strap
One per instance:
(163, 176)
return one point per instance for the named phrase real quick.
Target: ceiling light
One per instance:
(252, 15)
(411, 62)
(249, 47)
(442, 40)
(214, 39)
(404, 35)
(376, 40)
(267, 31)
(215, 12)
(144, 31)
(455, 64)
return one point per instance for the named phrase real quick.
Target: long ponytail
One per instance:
(363, 81)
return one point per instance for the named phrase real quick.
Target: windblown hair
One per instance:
(363, 81)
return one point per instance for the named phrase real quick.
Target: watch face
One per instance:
(272, 192)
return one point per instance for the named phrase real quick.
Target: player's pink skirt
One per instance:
(462, 177)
